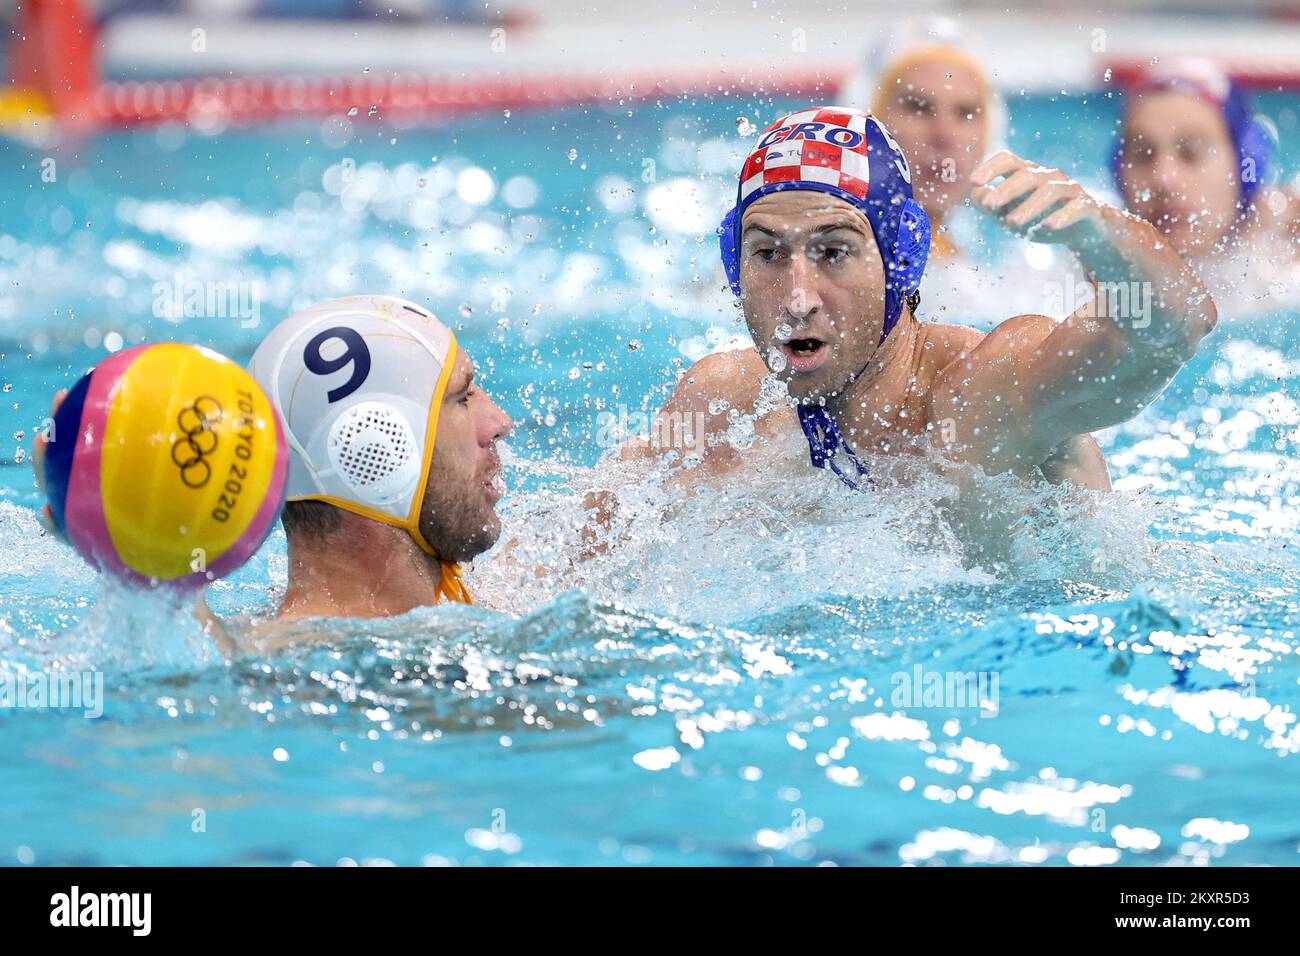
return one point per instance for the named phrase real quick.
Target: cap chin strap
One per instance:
(451, 585)
(430, 437)
(825, 442)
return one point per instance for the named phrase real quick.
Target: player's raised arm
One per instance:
(1033, 383)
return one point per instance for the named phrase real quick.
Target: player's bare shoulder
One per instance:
(967, 363)
(957, 349)
(976, 379)
(709, 398)
(942, 350)
(734, 377)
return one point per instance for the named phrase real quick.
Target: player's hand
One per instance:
(39, 446)
(1041, 204)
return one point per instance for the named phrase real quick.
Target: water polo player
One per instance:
(930, 89)
(1195, 160)
(393, 474)
(825, 249)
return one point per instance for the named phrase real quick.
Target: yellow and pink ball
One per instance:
(166, 465)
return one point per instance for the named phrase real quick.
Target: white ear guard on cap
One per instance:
(359, 382)
(373, 449)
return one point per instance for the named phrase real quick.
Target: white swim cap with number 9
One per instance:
(358, 382)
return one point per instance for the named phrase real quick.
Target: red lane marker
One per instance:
(253, 99)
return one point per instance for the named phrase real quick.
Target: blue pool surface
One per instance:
(721, 688)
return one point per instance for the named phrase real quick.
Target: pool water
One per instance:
(741, 678)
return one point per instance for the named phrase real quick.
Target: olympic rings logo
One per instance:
(199, 440)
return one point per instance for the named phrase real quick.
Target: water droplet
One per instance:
(573, 154)
(718, 406)
(1106, 76)
(353, 111)
(466, 310)
(633, 345)
(507, 114)
(574, 373)
(784, 332)
(744, 127)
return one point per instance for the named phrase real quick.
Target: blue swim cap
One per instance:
(849, 154)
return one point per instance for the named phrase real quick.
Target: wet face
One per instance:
(936, 111)
(459, 516)
(1180, 169)
(812, 288)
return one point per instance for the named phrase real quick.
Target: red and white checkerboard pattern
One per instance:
(807, 159)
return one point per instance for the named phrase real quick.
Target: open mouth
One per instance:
(495, 486)
(805, 354)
